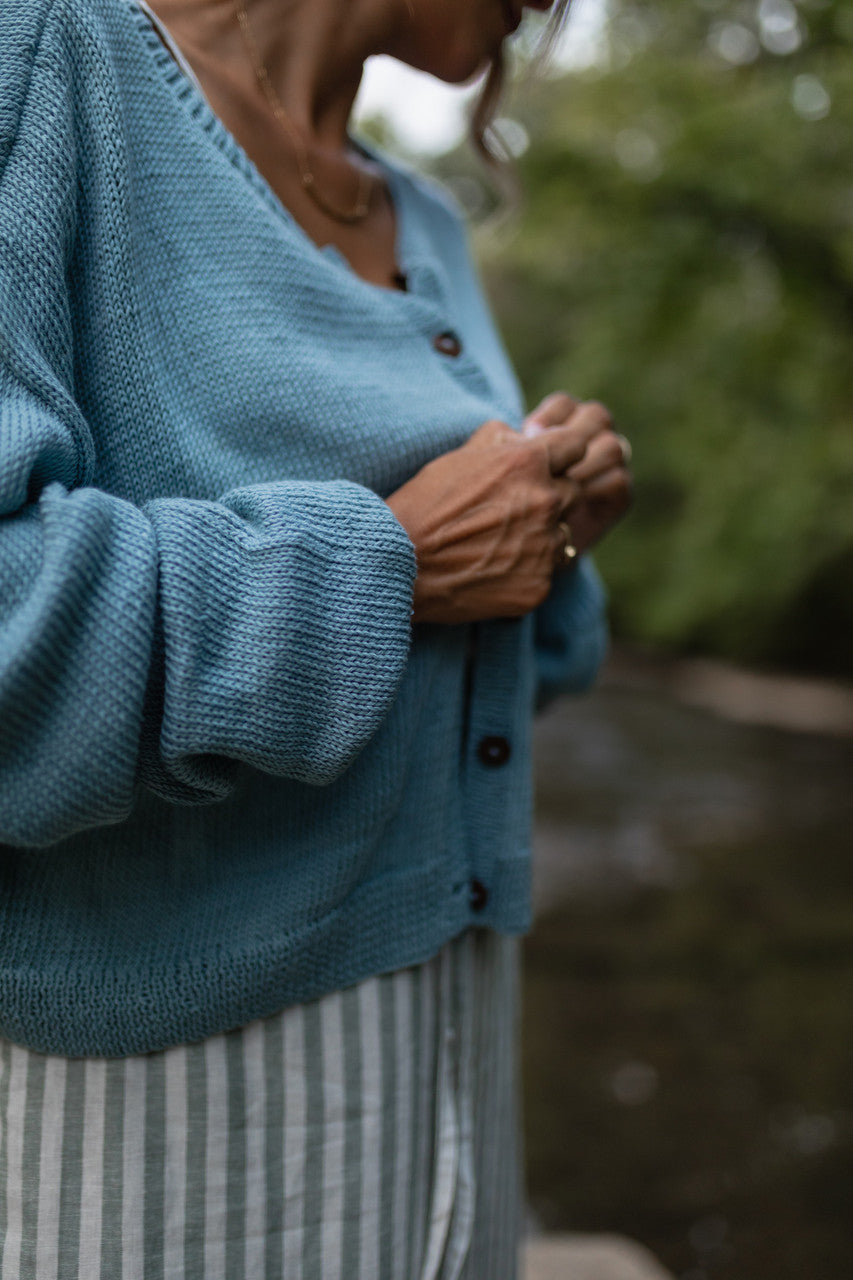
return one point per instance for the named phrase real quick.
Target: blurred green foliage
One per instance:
(685, 254)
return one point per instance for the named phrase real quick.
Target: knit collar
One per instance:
(412, 255)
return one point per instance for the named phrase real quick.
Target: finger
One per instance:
(604, 452)
(553, 411)
(610, 486)
(626, 449)
(565, 446)
(570, 492)
(594, 411)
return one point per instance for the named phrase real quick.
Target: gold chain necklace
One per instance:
(366, 182)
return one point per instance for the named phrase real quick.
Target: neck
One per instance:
(313, 50)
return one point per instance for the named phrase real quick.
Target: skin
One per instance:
(484, 519)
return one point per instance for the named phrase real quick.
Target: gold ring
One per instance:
(625, 447)
(570, 551)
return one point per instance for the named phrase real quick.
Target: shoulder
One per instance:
(21, 23)
(22, 28)
(24, 23)
(35, 33)
(54, 56)
(58, 62)
(30, 54)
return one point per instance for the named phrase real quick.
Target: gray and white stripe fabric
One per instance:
(370, 1135)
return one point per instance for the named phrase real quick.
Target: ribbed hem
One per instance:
(119, 1013)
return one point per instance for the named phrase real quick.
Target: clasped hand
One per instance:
(485, 518)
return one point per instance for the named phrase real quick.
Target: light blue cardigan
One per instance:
(232, 775)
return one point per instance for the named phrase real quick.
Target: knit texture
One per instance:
(232, 775)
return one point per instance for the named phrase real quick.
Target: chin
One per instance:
(463, 79)
(463, 70)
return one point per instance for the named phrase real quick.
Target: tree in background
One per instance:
(685, 254)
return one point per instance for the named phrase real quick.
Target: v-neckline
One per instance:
(181, 78)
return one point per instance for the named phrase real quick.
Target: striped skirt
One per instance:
(369, 1135)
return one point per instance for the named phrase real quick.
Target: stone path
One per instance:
(576, 1257)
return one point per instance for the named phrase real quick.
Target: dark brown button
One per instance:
(447, 344)
(494, 751)
(478, 895)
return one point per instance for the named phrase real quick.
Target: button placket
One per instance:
(478, 895)
(498, 745)
(426, 287)
(448, 343)
(494, 751)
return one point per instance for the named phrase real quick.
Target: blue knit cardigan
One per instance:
(232, 774)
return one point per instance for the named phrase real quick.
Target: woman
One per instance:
(281, 579)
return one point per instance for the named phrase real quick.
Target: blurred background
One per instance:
(684, 252)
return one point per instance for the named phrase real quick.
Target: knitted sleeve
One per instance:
(173, 641)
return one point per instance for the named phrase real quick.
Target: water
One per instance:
(688, 1035)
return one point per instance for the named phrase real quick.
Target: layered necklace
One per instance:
(366, 182)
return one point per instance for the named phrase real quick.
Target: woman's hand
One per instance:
(602, 476)
(484, 520)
